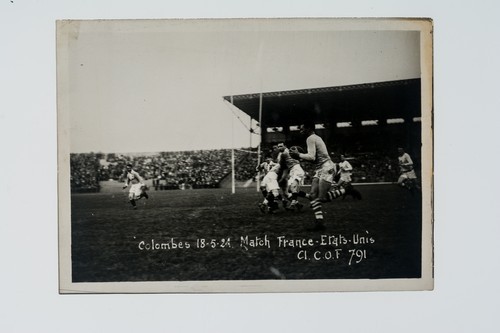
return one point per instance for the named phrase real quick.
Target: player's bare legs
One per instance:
(314, 189)
(324, 187)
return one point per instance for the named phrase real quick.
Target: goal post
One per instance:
(260, 142)
(233, 181)
(259, 149)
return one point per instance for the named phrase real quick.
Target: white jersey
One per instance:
(270, 180)
(133, 177)
(345, 168)
(270, 167)
(137, 188)
(405, 163)
(345, 172)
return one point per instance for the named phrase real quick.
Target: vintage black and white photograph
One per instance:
(245, 155)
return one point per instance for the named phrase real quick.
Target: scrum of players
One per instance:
(282, 180)
(330, 180)
(284, 177)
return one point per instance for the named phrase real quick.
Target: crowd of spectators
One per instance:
(166, 170)
(245, 168)
(204, 168)
(373, 168)
(190, 169)
(84, 175)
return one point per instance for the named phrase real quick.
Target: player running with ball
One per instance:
(138, 188)
(325, 170)
(269, 186)
(294, 176)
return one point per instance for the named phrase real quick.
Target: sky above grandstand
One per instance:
(151, 86)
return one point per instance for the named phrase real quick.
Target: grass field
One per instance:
(110, 241)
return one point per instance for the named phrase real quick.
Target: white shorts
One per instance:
(270, 181)
(345, 177)
(136, 190)
(325, 171)
(296, 174)
(407, 175)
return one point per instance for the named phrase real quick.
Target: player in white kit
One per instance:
(138, 188)
(269, 186)
(344, 173)
(407, 176)
(294, 176)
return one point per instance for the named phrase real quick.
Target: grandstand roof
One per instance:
(368, 101)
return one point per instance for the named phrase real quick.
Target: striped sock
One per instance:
(317, 209)
(334, 194)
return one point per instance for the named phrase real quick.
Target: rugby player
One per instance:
(138, 188)
(269, 186)
(407, 177)
(294, 176)
(345, 180)
(325, 170)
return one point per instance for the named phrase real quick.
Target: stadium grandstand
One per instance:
(365, 122)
